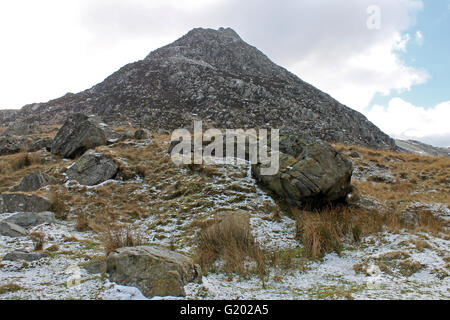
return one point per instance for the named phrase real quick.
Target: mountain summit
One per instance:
(214, 76)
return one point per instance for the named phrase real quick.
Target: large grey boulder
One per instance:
(93, 168)
(24, 256)
(78, 134)
(22, 202)
(155, 270)
(35, 181)
(31, 219)
(11, 230)
(311, 172)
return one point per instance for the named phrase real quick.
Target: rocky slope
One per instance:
(422, 148)
(215, 76)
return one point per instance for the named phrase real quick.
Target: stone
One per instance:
(93, 168)
(142, 134)
(31, 219)
(22, 202)
(35, 181)
(11, 230)
(24, 256)
(311, 172)
(96, 267)
(154, 270)
(77, 135)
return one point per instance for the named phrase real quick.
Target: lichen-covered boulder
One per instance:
(154, 270)
(8, 229)
(93, 168)
(311, 172)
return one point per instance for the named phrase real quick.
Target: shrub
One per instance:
(229, 238)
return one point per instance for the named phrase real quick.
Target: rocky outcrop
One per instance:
(92, 168)
(78, 134)
(155, 270)
(311, 172)
(24, 256)
(34, 182)
(214, 76)
(8, 229)
(31, 219)
(22, 202)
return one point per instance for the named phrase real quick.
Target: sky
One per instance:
(387, 59)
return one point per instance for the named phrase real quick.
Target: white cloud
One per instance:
(419, 38)
(404, 120)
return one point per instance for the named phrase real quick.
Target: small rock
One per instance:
(11, 230)
(142, 134)
(96, 267)
(35, 181)
(24, 256)
(31, 219)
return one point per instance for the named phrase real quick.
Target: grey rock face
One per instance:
(24, 256)
(155, 270)
(19, 202)
(22, 129)
(311, 172)
(11, 230)
(31, 219)
(92, 168)
(215, 76)
(77, 135)
(35, 181)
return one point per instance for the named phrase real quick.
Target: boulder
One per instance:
(155, 270)
(311, 172)
(24, 256)
(35, 181)
(31, 219)
(22, 202)
(93, 168)
(77, 135)
(43, 143)
(11, 230)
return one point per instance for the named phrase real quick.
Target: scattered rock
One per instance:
(22, 202)
(43, 143)
(24, 256)
(22, 129)
(11, 230)
(354, 154)
(311, 172)
(31, 219)
(35, 181)
(155, 270)
(77, 135)
(93, 168)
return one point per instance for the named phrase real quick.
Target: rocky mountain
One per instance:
(422, 148)
(215, 76)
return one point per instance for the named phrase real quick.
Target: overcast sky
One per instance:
(396, 70)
